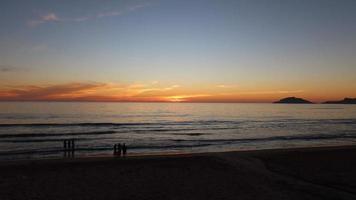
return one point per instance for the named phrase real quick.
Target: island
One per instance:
(344, 101)
(293, 100)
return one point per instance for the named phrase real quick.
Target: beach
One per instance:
(303, 173)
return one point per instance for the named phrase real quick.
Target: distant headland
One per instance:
(344, 101)
(296, 100)
(293, 100)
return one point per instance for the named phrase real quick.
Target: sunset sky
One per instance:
(177, 50)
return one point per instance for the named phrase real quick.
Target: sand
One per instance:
(308, 173)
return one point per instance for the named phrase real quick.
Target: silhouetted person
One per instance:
(119, 149)
(73, 145)
(65, 147)
(124, 149)
(69, 145)
(115, 149)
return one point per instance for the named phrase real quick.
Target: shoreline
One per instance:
(106, 157)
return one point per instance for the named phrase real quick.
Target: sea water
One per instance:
(30, 130)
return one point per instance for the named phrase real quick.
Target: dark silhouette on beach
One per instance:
(69, 147)
(124, 149)
(117, 149)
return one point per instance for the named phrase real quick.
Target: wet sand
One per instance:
(308, 173)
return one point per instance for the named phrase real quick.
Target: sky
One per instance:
(177, 50)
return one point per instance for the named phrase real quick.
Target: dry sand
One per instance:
(309, 173)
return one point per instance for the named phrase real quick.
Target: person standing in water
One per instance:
(124, 149)
(119, 149)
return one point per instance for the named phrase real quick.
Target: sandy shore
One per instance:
(308, 173)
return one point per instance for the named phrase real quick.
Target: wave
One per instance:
(99, 148)
(73, 116)
(42, 140)
(73, 124)
(194, 122)
(27, 135)
(275, 138)
(173, 130)
(208, 141)
(185, 143)
(180, 129)
(95, 124)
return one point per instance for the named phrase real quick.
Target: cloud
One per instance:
(85, 92)
(4, 68)
(272, 92)
(53, 17)
(138, 6)
(114, 13)
(80, 19)
(136, 92)
(9, 68)
(147, 91)
(225, 86)
(109, 14)
(183, 98)
(49, 17)
(52, 92)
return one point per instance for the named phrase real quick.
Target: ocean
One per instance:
(32, 130)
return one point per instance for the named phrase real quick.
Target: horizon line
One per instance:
(98, 101)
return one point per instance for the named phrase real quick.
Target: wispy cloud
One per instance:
(96, 91)
(51, 92)
(109, 14)
(226, 86)
(49, 17)
(183, 98)
(86, 92)
(154, 90)
(9, 68)
(53, 17)
(5, 68)
(272, 92)
(113, 13)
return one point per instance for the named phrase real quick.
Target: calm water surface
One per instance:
(36, 130)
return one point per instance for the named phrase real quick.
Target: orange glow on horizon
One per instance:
(176, 99)
(152, 92)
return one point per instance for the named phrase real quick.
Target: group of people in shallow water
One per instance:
(120, 148)
(69, 148)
